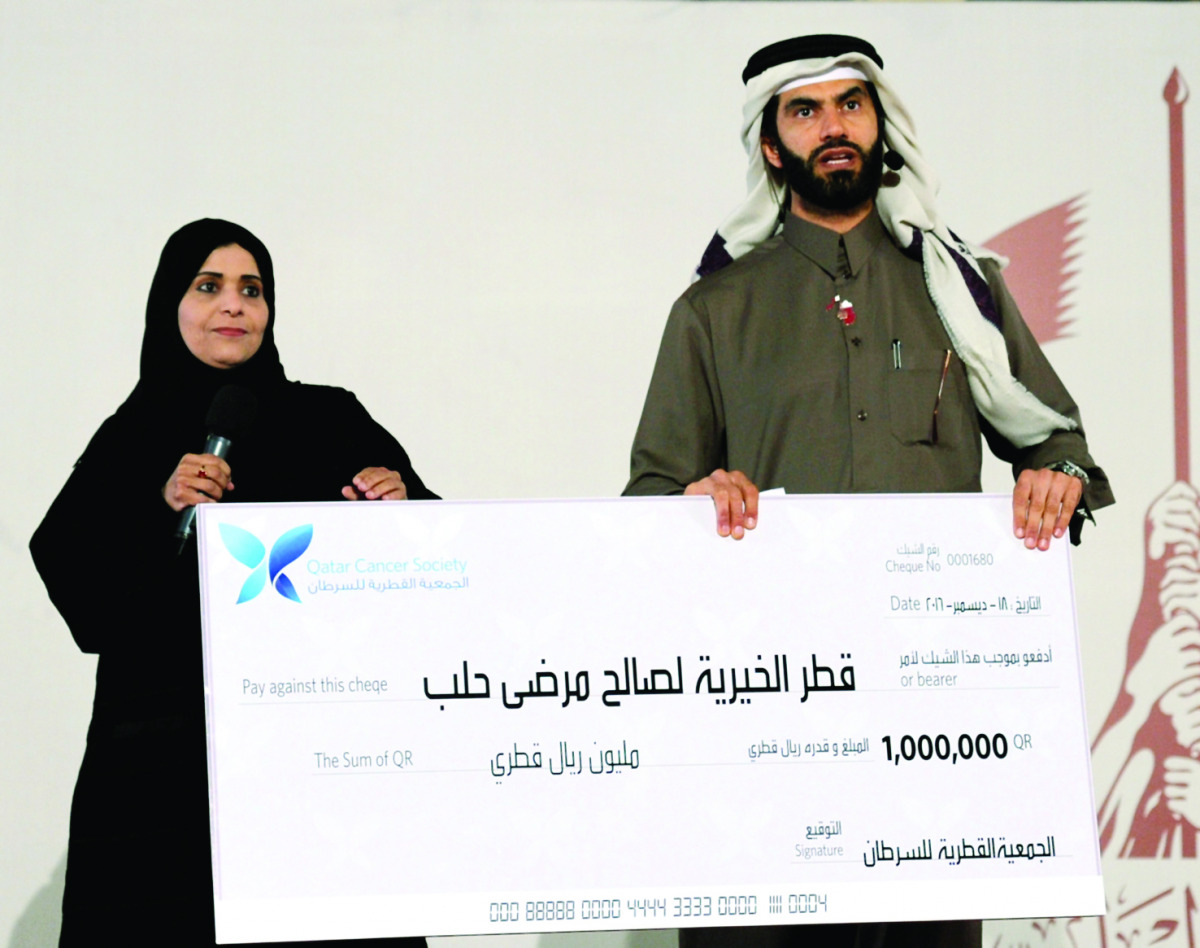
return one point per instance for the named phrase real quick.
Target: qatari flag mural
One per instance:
(1041, 253)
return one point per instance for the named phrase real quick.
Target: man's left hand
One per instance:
(1043, 502)
(376, 483)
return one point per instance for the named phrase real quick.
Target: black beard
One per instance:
(842, 190)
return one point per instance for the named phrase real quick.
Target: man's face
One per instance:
(829, 147)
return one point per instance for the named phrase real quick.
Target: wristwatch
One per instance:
(1071, 469)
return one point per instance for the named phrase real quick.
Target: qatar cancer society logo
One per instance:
(249, 550)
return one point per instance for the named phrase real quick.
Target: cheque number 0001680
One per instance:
(968, 747)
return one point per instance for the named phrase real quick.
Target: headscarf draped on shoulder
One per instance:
(906, 204)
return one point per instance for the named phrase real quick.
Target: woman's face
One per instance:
(222, 316)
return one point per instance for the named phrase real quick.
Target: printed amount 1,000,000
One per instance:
(968, 747)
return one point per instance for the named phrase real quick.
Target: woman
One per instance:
(139, 866)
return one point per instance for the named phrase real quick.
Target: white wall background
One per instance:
(480, 214)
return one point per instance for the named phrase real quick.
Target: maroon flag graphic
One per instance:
(1040, 251)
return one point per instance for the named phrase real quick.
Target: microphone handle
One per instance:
(218, 445)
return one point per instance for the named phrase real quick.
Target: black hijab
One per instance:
(173, 382)
(164, 417)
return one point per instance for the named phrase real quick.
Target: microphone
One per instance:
(229, 418)
(893, 159)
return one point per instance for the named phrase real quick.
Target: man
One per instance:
(842, 339)
(815, 358)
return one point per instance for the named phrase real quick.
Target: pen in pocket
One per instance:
(941, 385)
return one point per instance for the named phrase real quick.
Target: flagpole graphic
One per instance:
(1175, 92)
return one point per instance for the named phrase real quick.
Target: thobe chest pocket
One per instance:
(913, 397)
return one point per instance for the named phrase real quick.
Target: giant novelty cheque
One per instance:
(457, 718)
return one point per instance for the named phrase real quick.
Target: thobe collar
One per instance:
(820, 244)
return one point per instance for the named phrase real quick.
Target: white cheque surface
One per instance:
(454, 718)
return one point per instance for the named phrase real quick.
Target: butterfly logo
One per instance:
(248, 550)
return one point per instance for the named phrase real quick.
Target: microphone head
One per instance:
(893, 159)
(232, 412)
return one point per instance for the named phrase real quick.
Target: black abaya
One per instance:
(139, 868)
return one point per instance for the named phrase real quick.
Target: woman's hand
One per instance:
(376, 483)
(197, 479)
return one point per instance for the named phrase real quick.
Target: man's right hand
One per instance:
(735, 498)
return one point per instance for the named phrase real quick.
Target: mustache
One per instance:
(830, 146)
